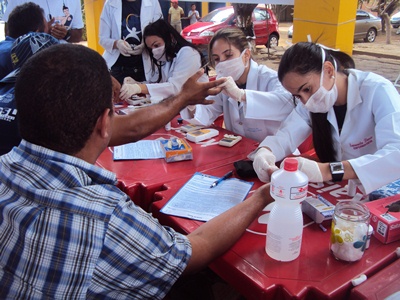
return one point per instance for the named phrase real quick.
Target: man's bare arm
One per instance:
(216, 236)
(143, 122)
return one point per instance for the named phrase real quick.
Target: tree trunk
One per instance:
(386, 19)
(244, 21)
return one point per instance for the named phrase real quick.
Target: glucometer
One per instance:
(229, 140)
(201, 134)
(190, 127)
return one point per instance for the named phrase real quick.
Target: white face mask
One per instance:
(322, 100)
(159, 53)
(231, 67)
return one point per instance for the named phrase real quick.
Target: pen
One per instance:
(226, 176)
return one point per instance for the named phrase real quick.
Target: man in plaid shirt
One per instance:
(66, 230)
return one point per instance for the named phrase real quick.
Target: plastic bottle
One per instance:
(285, 225)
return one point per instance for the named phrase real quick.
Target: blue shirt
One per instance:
(66, 231)
(6, 65)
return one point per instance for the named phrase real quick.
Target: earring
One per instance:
(333, 77)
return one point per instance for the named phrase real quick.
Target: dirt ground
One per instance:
(377, 57)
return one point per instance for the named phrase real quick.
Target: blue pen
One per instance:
(226, 176)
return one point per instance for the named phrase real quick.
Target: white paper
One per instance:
(196, 200)
(144, 149)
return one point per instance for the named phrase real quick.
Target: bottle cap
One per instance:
(290, 164)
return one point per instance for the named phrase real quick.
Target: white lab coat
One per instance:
(110, 29)
(267, 105)
(370, 136)
(175, 73)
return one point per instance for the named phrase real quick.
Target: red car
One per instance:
(264, 20)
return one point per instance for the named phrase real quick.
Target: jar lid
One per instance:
(353, 211)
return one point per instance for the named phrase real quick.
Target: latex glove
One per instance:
(129, 80)
(230, 89)
(310, 168)
(124, 48)
(264, 164)
(127, 90)
(138, 49)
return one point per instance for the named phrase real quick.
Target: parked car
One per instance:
(264, 20)
(395, 20)
(367, 26)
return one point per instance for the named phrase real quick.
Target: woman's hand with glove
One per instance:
(264, 164)
(124, 48)
(129, 89)
(310, 168)
(230, 88)
(138, 49)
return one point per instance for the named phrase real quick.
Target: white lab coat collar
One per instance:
(252, 77)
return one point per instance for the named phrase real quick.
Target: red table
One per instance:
(142, 178)
(314, 275)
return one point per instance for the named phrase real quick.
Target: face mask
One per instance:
(322, 100)
(232, 67)
(159, 53)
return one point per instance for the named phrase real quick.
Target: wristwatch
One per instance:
(337, 171)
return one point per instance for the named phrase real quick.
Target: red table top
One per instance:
(142, 178)
(316, 274)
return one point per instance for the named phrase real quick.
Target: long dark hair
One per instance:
(306, 57)
(173, 43)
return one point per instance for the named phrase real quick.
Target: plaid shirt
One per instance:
(67, 232)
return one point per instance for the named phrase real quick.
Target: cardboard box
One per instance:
(176, 149)
(319, 209)
(386, 224)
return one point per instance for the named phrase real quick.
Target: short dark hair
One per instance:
(24, 18)
(60, 94)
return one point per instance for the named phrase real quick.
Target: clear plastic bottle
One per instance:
(285, 225)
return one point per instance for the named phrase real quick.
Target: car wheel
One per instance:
(371, 35)
(272, 41)
(395, 26)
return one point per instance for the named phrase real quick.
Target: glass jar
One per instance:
(349, 230)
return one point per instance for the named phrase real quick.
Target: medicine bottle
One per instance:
(285, 225)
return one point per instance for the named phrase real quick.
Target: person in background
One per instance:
(121, 35)
(24, 47)
(65, 218)
(193, 14)
(173, 58)
(27, 17)
(354, 118)
(54, 11)
(175, 13)
(256, 116)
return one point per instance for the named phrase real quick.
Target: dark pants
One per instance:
(120, 73)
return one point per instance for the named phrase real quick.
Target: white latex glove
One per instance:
(264, 164)
(310, 168)
(129, 80)
(230, 89)
(138, 49)
(124, 48)
(127, 90)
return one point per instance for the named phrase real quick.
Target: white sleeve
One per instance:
(106, 40)
(186, 63)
